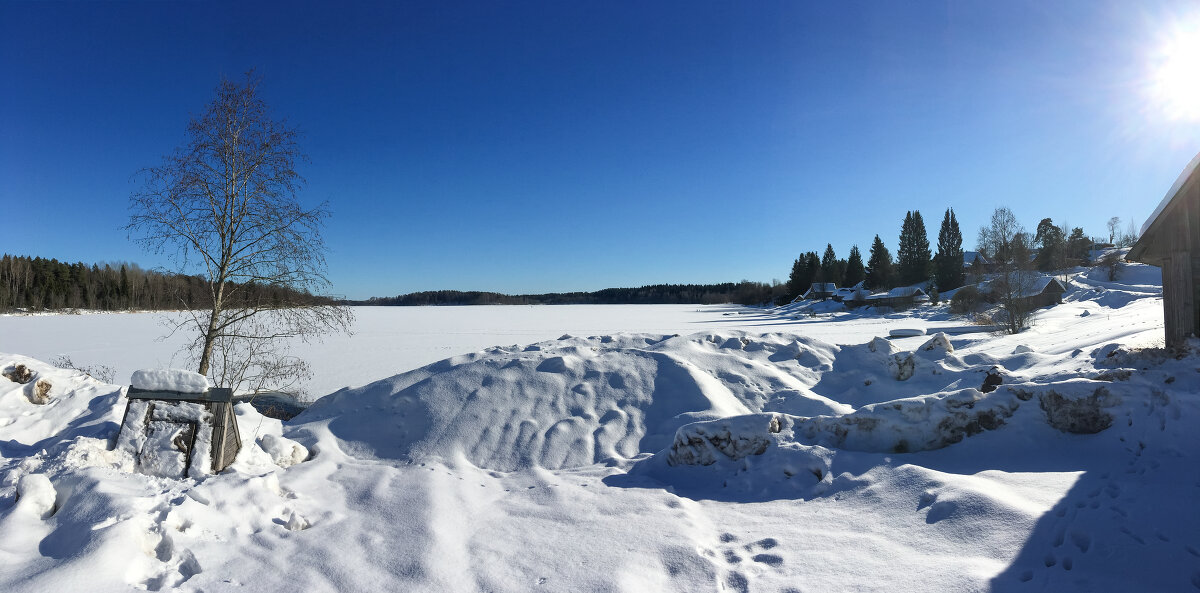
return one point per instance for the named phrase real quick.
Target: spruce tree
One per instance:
(879, 266)
(813, 261)
(796, 285)
(855, 272)
(948, 264)
(829, 265)
(913, 253)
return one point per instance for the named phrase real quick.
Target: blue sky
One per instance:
(530, 147)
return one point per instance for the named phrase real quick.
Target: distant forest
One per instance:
(39, 284)
(744, 292)
(34, 283)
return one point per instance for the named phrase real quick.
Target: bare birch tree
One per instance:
(224, 206)
(1009, 247)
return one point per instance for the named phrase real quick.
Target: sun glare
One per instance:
(1176, 77)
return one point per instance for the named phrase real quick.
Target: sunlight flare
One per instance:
(1176, 74)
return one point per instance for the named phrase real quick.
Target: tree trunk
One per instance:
(210, 337)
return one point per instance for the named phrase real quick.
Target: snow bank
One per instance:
(169, 380)
(572, 402)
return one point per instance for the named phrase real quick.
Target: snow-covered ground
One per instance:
(757, 450)
(389, 340)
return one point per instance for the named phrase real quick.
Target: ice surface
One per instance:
(169, 380)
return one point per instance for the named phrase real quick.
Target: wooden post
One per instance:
(1179, 311)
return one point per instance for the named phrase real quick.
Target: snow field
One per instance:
(728, 459)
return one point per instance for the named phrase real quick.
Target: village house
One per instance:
(896, 298)
(821, 291)
(1044, 292)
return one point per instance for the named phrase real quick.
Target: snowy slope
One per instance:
(720, 460)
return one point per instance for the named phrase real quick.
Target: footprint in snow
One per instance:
(772, 560)
(762, 544)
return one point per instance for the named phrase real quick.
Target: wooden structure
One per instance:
(1044, 292)
(974, 258)
(898, 298)
(821, 290)
(167, 417)
(1171, 240)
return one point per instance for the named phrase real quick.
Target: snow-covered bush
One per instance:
(965, 300)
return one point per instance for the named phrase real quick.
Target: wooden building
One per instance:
(821, 290)
(1044, 292)
(897, 298)
(1171, 240)
(166, 430)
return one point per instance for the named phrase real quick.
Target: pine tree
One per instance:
(855, 272)
(913, 253)
(948, 264)
(1077, 247)
(879, 266)
(1052, 255)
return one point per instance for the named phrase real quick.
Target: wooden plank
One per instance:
(218, 435)
(215, 394)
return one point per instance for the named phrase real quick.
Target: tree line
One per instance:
(744, 292)
(36, 283)
(1052, 248)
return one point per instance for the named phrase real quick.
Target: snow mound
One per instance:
(916, 424)
(169, 380)
(36, 496)
(571, 402)
(81, 407)
(939, 342)
(284, 452)
(702, 443)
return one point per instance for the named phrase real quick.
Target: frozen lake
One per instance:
(385, 341)
(390, 340)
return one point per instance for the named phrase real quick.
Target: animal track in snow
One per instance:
(177, 564)
(738, 569)
(1081, 540)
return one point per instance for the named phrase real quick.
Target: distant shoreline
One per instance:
(743, 293)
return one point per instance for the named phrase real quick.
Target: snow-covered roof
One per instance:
(1175, 187)
(969, 258)
(848, 290)
(1039, 286)
(823, 287)
(1036, 286)
(900, 293)
(906, 291)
